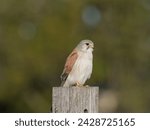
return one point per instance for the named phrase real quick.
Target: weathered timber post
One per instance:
(75, 100)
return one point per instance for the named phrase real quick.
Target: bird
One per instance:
(79, 65)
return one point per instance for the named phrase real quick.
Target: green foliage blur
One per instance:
(36, 36)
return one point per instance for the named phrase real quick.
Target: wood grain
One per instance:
(75, 100)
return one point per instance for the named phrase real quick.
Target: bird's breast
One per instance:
(82, 68)
(84, 64)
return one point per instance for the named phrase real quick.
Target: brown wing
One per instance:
(68, 66)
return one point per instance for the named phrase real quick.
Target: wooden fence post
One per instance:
(75, 100)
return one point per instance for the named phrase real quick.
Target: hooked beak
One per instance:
(91, 46)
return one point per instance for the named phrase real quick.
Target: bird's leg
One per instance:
(87, 86)
(78, 84)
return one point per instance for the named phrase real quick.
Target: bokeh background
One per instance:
(36, 36)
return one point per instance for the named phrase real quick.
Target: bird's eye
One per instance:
(87, 44)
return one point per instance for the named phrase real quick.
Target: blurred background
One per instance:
(36, 36)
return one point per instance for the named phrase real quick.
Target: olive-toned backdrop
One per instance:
(36, 36)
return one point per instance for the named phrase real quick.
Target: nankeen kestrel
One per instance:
(79, 64)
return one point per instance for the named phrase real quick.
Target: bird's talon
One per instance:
(78, 85)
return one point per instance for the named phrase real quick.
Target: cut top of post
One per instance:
(75, 100)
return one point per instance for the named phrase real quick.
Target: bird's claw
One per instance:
(87, 86)
(79, 85)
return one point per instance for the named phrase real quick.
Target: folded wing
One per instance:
(68, 66)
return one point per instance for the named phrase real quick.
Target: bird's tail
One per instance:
(62, 83)
(63, 77)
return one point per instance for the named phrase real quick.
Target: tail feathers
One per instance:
(63, 77)
(64, 84)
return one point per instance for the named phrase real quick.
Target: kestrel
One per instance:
(79, 65)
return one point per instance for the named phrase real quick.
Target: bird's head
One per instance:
(85, 45)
